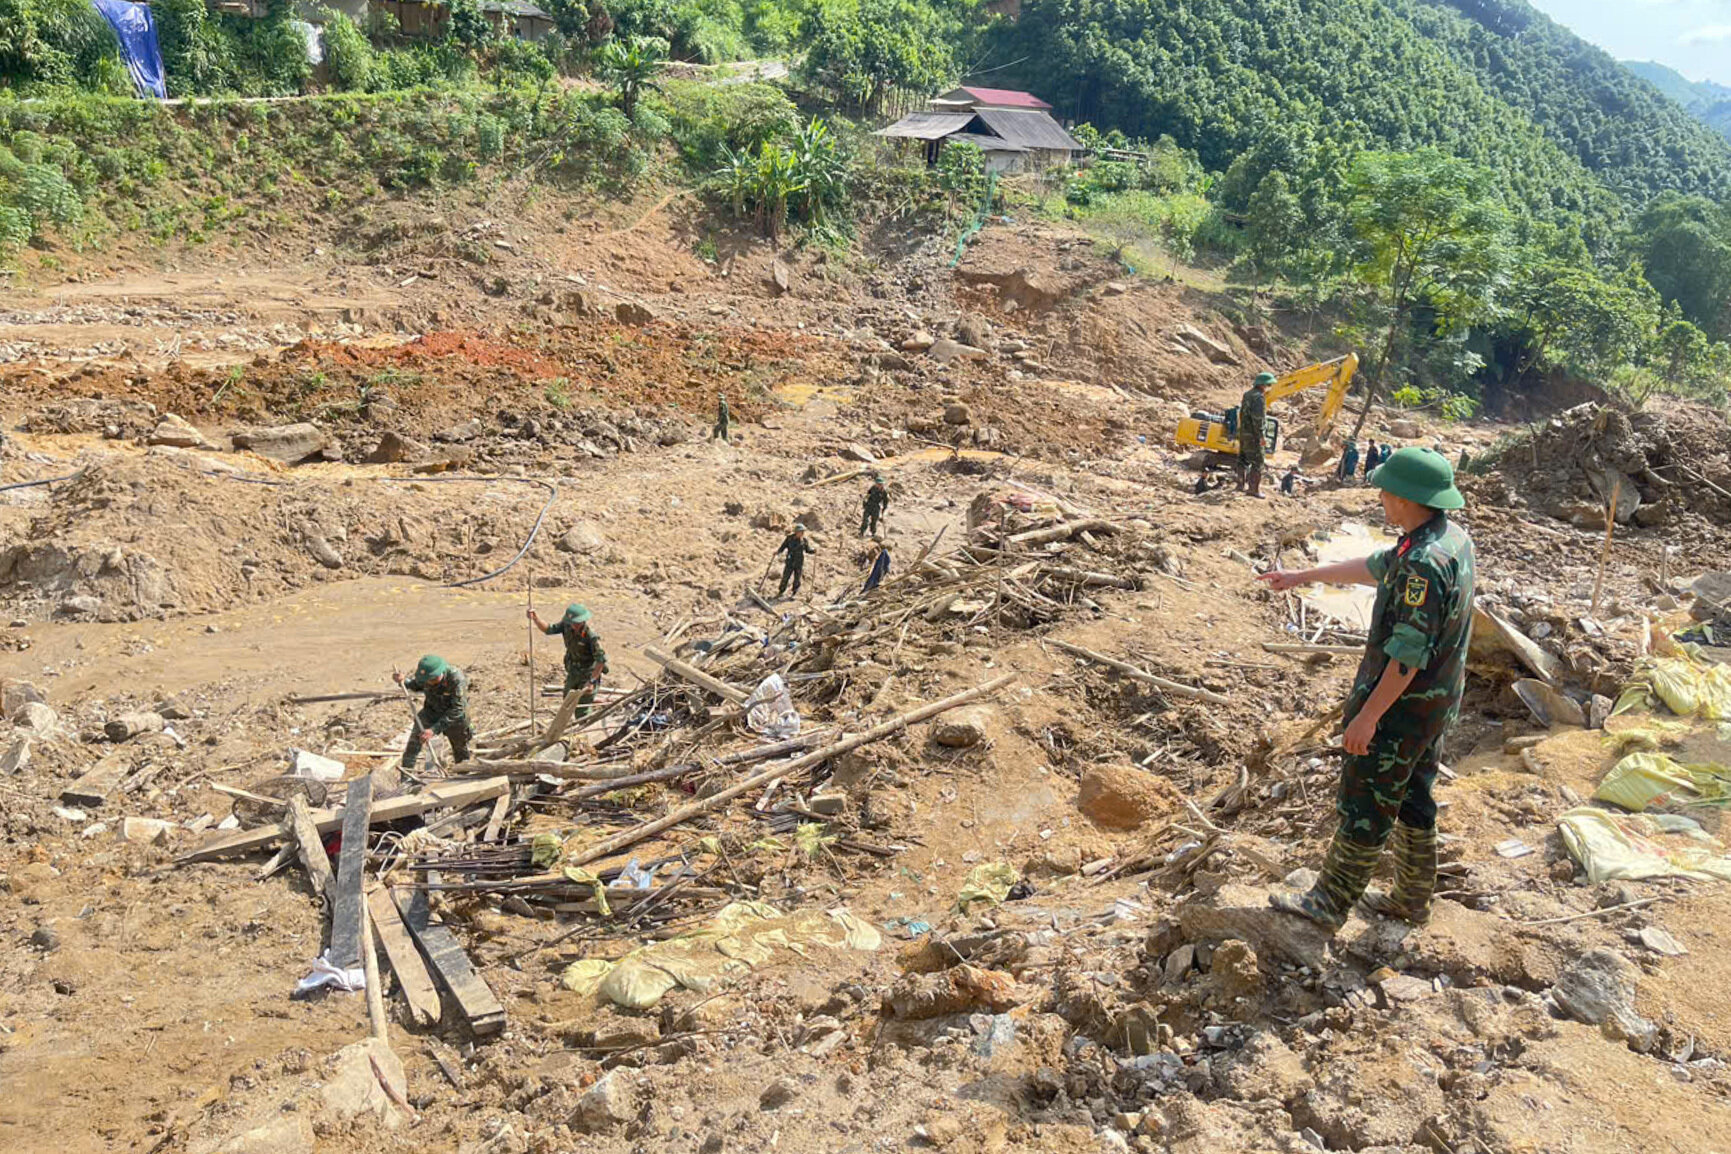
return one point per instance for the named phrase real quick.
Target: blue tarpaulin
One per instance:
(136, 32)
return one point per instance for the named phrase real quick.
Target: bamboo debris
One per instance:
(1173, 687)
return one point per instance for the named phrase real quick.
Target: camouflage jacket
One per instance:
(583, 652)
(877, 498)
(1252, 414)
(796, 548)
(447, 700)
(1424, 619)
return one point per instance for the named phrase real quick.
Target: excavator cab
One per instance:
(1218, 432)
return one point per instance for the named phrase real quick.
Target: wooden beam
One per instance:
(311, 849)
(1173, 687)
(470, 995)
(413, 979)
(1061, 532)
(1296, 649)
(98, 782)
(454, 794)
(496, 819)
(696, 676)
(347, 917)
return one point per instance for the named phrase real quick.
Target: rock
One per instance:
(625, 1033)
(1242, 913)
(945, 350)
(17, 756)
(1178, 964)
(853, 451)
(1608, 481)
(582, 538)
(999, 1033)
(1113, 288)
(1660, 942)
(1598, 710)
(916, 997)
(143, 829)
(780, 278)
(604, 1106)
(395, 449)
(962, 728)
(173, 430)
(353, 1091)
(1112, 1142)
(1122, 797)
(1598, 988)
(45, 938)
(1405, 429)
(15, 694)
(1547, 705)
(323, 551)
(632, 313)
(462, 431)
(1266, 1068)
(1235, 968)
(303, 763)
(958, 414)
(284, 1134)
(36, 716)
(777, 1094)
(919, 342)
(1206, 345)
(812, 519)
(290, 444)
(82, 603)
(973, 330)
(129, 725)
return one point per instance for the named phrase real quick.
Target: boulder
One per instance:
(604, 1106)
(354, 1091)
(1265, 1069)
(582, 538)
(125, 726)
(632, 313)
(284, 1134)
(1598, 988)
(16, 693)
(780, 277)
(1607, 481)
(961, 728)
(395, 449)
(36, 716)
(175, 431)
(777, 1094)
(1235, 967)
(919, 342)
(945, 350)
(958, 414)
(16, 757)
(323, 552)
(854, 451)
(290, 444)
(1198, 341)
(461, 431)
(973, 330)
(1123, 797)
(1405, 429)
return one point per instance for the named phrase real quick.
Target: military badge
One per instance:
(1417, 589)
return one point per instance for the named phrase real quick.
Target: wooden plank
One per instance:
(470, 995)
(98, 783)
(346, 920)
(311, 849)
(450, 793)
(696, 676)
(405, 960)
(501, 805)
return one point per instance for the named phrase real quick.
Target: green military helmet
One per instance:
(1423, 476)
(431, 668)
(576, 614)
(1263, 380)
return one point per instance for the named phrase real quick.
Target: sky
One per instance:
(1692, 36)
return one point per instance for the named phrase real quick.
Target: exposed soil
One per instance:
(144, 1004)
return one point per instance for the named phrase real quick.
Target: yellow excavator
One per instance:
(1218, 432)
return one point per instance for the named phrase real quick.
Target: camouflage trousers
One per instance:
(458, 733)
(1391, 782)
(582, 678)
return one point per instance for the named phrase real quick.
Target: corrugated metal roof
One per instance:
(986, 143)
(1007, 97)
(1033, 129)
(927, 125)
(515, 8)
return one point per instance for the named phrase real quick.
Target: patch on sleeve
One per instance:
(1417, 589)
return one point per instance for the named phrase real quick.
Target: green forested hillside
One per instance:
(1707, 102)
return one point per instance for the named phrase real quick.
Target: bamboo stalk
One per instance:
(1142, 675)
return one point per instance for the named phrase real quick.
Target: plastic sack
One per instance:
(769, 710)
(1630, 847)
(327, 973)
(1686, 687)
(987, 882)
(1643, 779)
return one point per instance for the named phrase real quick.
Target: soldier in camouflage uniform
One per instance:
(1405, 698)
(1252, 426)
(444, 709)
(877, 499)
(720, 429)
(585, 660)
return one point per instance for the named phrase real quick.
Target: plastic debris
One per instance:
(1643, 779)
(1629, 847)
(769, 710)
(1685, 686)
(987, 882)
(326, 973)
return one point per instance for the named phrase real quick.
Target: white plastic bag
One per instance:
(770, 711)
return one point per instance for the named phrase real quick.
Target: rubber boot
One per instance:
(1415, 859)
(1345, 872)
(1256, 482)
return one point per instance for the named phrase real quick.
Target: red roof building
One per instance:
(970, 97)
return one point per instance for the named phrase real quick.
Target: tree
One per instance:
(881, 47)
(632, 67)
(1685, 243)
(1428, 230)
(1274, 224)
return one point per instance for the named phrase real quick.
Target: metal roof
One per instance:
(515, 8)
(927, 125)
(1029, 128)
(985, 143)
(1007, 97)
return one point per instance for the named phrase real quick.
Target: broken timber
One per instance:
(311, 849)
(1175, 688)
(413, 979)
(1061, 532)
(98, 783)
(696, 676)
(454, 794)
(1297, 649)
(445, 956)
(347, 920)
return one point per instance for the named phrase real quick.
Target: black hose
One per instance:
(49, 481)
